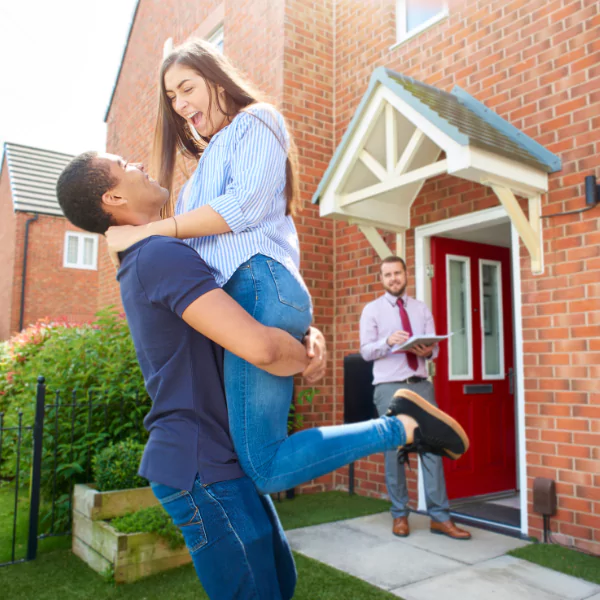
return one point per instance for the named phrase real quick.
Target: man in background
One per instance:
(392, 319)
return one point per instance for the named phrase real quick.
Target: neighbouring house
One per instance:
(48, 267)
(460, 138)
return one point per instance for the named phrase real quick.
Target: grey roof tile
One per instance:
(463, 118)
(33, 173)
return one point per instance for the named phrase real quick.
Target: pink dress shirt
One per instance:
(378, 321)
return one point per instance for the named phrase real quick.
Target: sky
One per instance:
(58, 65)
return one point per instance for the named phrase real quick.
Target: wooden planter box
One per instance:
(129, 555)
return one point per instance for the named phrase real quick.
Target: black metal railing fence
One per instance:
(40, 462)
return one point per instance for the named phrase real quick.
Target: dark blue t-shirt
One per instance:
(183, 370)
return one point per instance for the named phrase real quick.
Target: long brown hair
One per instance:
(172, 134)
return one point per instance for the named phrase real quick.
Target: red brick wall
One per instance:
(132, 115)
(7, 252)
(537, 64)
(51, 290)
(308, 107)
(254, 35)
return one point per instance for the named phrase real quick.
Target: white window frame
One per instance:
(80, 264)
(402, 34)
(501, 375)
(217, 37)
(167, 47)
(469, 325)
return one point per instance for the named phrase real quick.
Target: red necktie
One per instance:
(413, 361)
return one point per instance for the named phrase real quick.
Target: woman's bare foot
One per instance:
(409, 427)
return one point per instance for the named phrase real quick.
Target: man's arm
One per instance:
(221, 319)
(174, 276)
(372, 346)
(316, 350)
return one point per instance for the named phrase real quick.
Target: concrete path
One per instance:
(424, 566)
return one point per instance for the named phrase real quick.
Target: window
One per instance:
(458, 290)
(167, 47)
(216, 38)
(81, 250)
(490, 297)
(414, 16)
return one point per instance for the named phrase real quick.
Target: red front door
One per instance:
(471, 296)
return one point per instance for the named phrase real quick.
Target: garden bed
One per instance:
(128, 556)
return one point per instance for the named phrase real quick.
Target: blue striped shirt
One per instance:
(241, 175)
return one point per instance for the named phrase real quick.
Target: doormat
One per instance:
(507, 515)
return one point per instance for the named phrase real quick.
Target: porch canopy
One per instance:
(394, 144)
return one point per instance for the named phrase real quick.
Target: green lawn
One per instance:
(7, 508)
(313, 509)
(60, 575)
(562, 559)
(44, 578)
(304, 510)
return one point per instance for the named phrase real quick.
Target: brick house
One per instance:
(48, 268)
(448, 136)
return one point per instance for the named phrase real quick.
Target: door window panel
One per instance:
(490, 283)
(459, 317)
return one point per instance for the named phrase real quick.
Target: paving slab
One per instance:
(503, 578)
(482, 546)
(386, 564)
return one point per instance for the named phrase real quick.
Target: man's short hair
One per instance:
(393, 259)
(80, 188)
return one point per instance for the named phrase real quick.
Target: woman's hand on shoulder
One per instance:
(121, 237)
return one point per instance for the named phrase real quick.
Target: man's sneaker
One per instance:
(436, 432)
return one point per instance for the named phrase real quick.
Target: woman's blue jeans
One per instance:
(235, 539)
(259, 403)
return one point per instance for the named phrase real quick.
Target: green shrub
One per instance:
(151, 520)
(94, 358)
(96, 394)
(296, 418)
(116, 466)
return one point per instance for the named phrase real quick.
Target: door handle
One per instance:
(511, 381)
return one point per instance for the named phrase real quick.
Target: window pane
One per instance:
(88, 252)
(217, 39)
(72, 249)
(420, 11)
(459, 342)
(492, 342)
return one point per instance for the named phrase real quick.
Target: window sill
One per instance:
(80, 267)
(419, 30)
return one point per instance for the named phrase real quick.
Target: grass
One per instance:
(314, 509)
(7, 508)
(46, 579)
(561, 559)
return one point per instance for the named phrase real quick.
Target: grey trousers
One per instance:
(433, 470)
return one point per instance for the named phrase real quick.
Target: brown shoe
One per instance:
(400, 527)
(449, 529)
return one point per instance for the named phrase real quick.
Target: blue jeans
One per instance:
(259, 403)
(235, 539)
